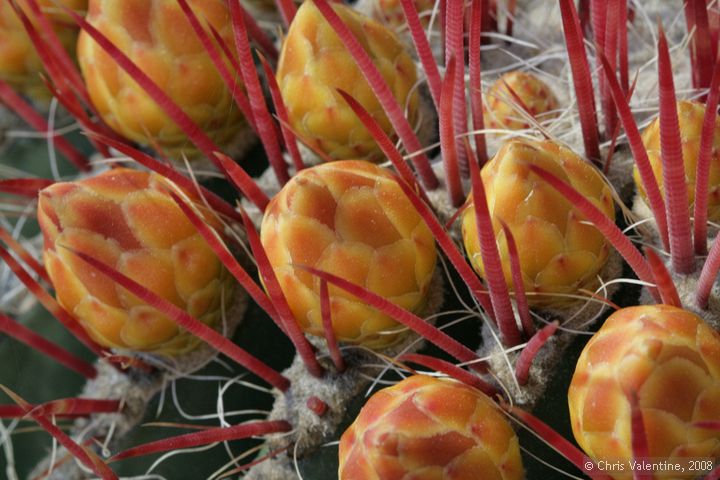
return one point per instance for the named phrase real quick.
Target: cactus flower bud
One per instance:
(430, 428)
(690, 117)
(559, 252)
(127, 219)
(351, 219)
(670, 359)
(531, 94)
(390, 12)
(314, 63)
(156, 35)
(20, 65)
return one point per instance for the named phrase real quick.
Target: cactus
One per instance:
(559, 253)
(313, 65)
(352, 236)
(425, 427)
(149, 239)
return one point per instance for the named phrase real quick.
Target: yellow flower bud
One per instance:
(351, 219)
(314, 63)
(559, 251)
(533, 95)
(690, 116)
(156, 35)
(20, 64)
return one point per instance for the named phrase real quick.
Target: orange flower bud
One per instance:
(670, 359)
(430, 428)
(127, 219)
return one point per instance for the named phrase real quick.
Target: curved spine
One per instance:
(205, 437)
(663, 280)
(518, 285)
(448, 143)
(657, 204)
(191, 324)
(266, 128)
(528, 354)
(451, 370)
(475, 67)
